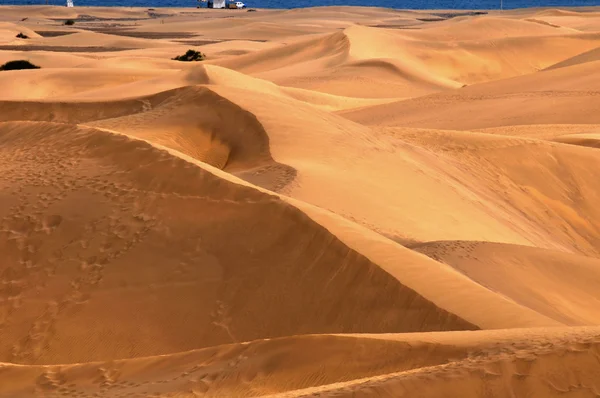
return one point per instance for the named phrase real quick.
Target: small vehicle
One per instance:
(239, 4)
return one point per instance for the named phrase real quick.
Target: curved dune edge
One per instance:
(416, 62)
(395, 258)
(556, 96)
(331, 204)
(192, 120)
(549, 361)
(542, 131)
(591, 140)
(265, 366)
(592, 55)
(527, 275)
(436, 282)
(537, 195)
(485, 169)
(124, 82)
(173, 241)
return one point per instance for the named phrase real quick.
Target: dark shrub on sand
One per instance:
(190, 55)
(22, 36)
(17, 65)
(69, 22)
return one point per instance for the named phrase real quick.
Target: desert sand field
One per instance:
(335, 202)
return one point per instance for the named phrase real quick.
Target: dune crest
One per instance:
(336, 201)
(173, 232)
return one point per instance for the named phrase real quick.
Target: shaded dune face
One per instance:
(192, 120)
(564, 366)
(112, 249)
(527, 274)
(270, 366)
(337, 201)
(435, 364)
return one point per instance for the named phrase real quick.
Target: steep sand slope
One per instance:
(548, 363)
(108, 240)
(460, 363)
(559, 96)
(210, 75)
(455, 172)
(126, 78)
(559, 285)
(328, 63)
(226, 228)
(469, 174)
(432, 280)
(547, 189)
(249, 369)
(545, 230)
(588, 56)
(589, 140)
(408, 63)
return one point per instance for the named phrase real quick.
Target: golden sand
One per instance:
(338, 201)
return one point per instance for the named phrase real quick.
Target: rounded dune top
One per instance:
(488, 28)
(337, 201)
(174, 261)
(9, 31)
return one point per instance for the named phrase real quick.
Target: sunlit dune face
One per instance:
(332, 201)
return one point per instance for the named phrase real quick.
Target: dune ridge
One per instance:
(85, 257)
(337, 201)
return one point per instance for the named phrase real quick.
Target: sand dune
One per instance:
(542, 189)
(391, 365)
(559, 285)
(588, 56)
(541, 131)
(48, 59)
(265, 366)
(403, 63)
(462, 29)
(547, 97)
(338, 201)
(57, 82)
(551, 363)
(329, 63)
(66, 265)
(589, 140)
(9, 31)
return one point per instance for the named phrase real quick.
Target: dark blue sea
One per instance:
(399, 4)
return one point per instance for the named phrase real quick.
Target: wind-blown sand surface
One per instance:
(338, 201)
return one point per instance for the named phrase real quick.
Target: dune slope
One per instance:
(559, 285)
(335, 201)
(69, 277)
(566, 95)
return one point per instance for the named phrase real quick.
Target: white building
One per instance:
(216, 3)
